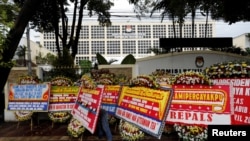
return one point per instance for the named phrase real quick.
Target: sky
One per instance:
(222, 29)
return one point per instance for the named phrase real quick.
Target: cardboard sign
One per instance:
(241, 99)
(87, 106)
(144, 107)
(201, 105)
(62, 98)
(29, 97)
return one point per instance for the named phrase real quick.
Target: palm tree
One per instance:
(168, 10)
(206, 7)
(174, 9)
(193, 6)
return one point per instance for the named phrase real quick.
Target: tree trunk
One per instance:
(79, 26)
(14, 36)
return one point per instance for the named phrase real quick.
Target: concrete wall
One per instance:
(180, 61)
(128, 70)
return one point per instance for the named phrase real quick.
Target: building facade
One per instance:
(242, 41)
(123, 38)
(35, 50)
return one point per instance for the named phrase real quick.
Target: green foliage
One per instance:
(85, 64)
(8, 11)
(101, 60)
(47, 59)
(64, 66)
(101, 8)
(129, 59)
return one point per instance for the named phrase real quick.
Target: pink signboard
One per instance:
(87, 106)
(241, 98)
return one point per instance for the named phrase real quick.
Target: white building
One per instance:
(35, 49)
(242, 41)
(126, 37)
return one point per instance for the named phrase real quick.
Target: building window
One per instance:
(97, 32)
(83, 47)
(187, 31)
(171, 31)
(144, 47)
(84, 33)
(98, 47)
(113, 47)
(159, 31)
(144, 31)
(202, 30)
(113, 32)
(129, 47)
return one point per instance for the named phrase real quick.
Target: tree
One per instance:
(53, 17)
(175, 9)
(167, 9)
(129, 59)
(205, 8)
(47, 59)
(45, 15)
(13, 37)
(52, 14)
(8, 12)
(192, 7)
(232, 11)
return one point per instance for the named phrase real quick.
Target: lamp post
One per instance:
(29, 51)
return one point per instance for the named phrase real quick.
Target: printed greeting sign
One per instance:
(241, 99)
(110, 97)
(29, 97)
(62, 98)
(87, 105)
(144, 107)
(199, 104)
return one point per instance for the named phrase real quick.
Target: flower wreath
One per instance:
(185, 131)
(22, 80)
(191, 132)
(191, 78)
(23, 115)
(127, 130)
(60, 116)
(130, 132)
(236, 69)
(145, 81)
(75, 129)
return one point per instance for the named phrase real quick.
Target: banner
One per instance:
(110, 97)
(87, 105)
(29, 97)
(241, 99)
(202, 105)
(62, 98)
(144, 107)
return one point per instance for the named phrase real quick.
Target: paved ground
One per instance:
(46, 131)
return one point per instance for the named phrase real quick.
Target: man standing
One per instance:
(103, 125)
